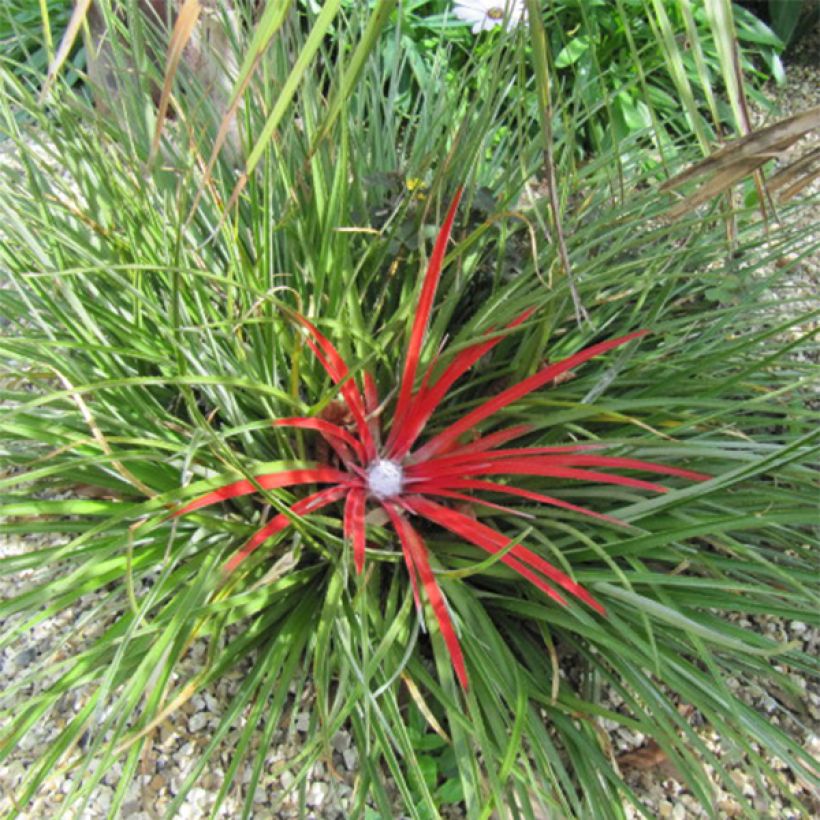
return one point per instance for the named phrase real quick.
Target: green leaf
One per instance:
(450, 791)
(572, 51)
(785, 17)
(681, 621)
(429, 770)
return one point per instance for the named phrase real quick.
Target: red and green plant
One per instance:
(147, 345)
(390, 473)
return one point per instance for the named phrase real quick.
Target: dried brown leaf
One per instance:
(647, 756)
(717, 185)
(745, 156)
(183, 29)
(762, 143)
(798, 186)
(789, 173)
(788, 180)
(72, 30)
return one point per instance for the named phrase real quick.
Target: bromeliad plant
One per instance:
(389, 472)
(142, 346)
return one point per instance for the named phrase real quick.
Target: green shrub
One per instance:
(150, 341)
(629, 67)
(28, 30)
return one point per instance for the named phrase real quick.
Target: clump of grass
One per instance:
(27, 32)
(400, 478)
(149, 345)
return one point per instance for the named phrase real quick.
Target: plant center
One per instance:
(495, 13)
(384, 478)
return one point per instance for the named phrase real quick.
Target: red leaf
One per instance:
(428, 399)
(490, 486)
(543, 466)
(279, 522)
(269, 481)
(371, 404)
(354, 527)
(332, 433)
(508, 559)
(483, 456)
(492, 440)
(338, 371)
(470, 500)
(423, 308)
(517, 391)
(493, 541)
(415, 546)
(634, 464)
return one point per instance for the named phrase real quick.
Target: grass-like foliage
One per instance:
(27, 32)
(645, 67)
(397, 477)
(159, 347)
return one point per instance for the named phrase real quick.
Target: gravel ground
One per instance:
(183, 735)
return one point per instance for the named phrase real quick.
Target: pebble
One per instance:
(768, 703)
(212, 780)
(340, 742)
(198, 796)
(260, 795)
(729, 808)
(198, 722)
(351, 758)
(103, 797)
(167, 731)
(186, 751)
(26, 657)
(316, 794)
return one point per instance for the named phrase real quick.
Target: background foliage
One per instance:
(146, 351)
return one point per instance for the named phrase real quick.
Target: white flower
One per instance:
(486, 14)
